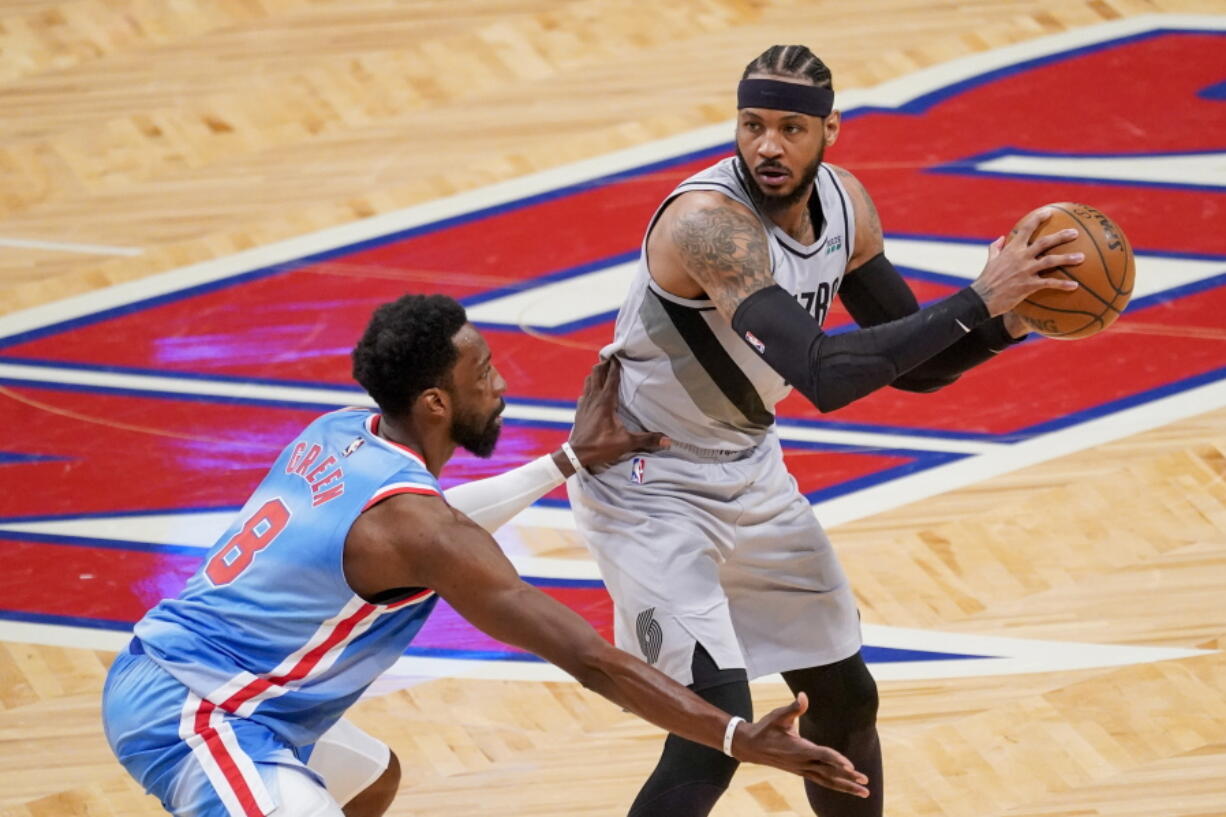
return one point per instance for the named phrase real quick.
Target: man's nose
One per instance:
(769, 147)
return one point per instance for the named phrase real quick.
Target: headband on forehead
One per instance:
(785, 96)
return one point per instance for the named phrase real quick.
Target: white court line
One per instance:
(346, 396)
(65, 246)
(168, 528)
(1016, 655)
(1200, 169)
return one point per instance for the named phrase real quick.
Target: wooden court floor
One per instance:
(192, 129)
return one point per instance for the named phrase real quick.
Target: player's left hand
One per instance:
(599, 437)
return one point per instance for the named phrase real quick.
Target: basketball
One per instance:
(1105, 277)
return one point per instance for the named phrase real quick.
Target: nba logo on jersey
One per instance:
(637, 466)
(755, 343)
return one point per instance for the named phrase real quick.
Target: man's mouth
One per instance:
(772, 176)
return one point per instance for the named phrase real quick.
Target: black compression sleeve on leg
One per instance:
(834, 370)
(690, 777)
(842, 714)
(875, 293)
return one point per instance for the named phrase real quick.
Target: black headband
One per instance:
(785, 96)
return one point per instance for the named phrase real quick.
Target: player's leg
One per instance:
(659, 534)
(689, 777)
(842, 715)
(195, 758)
(360, 771)
(793, 608)
(300, 793)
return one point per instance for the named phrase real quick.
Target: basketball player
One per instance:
(229, 699)
(719, 570)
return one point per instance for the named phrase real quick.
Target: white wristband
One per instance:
(729, 732)
(570, 455)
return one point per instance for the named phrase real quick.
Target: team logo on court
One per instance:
(650, 634)
(637, 468)
(969, 157)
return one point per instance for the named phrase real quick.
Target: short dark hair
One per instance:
(407, 348)
(791, 61)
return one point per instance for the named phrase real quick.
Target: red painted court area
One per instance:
(80, 451)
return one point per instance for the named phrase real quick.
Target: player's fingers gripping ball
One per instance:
(1105, 277)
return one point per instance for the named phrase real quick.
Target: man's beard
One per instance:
(768, 202)
(477, 435)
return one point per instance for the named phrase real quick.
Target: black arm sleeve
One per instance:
(875, 293)
(834, 370)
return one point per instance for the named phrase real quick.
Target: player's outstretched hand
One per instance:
(1014, 265)
(775, 741)
(599, 437)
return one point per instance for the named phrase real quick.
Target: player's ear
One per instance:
(435, 402)
(831, 125)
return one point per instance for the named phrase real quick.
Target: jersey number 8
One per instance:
(257, 533)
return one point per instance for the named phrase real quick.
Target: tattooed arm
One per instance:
(706, 243)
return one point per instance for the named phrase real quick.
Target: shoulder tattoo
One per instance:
(725, 252)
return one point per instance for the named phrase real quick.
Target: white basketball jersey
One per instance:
(684, 371)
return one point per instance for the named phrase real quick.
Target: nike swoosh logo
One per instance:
(962, 326)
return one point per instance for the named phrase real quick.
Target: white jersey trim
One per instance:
(243, 693)
(393, 488)
(205, 729)
(695, 303)
(372, 427)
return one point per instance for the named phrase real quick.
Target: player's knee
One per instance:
(375, 799)
(843, 698)
(862, 697)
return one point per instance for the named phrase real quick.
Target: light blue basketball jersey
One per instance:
(268, 628)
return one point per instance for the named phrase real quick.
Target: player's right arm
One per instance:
(419, 541)
(707, 243)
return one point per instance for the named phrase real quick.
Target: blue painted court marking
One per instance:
(342, 390)
(1114, 406)
(560, 329)
(347, 396)
(918, 461)
(359, 246)
(1193, 288)
(171, 395)
(66, 621)
(872, 655)
(105, 544)
(17, 458)
(1216, 92)
(908, 431)
(970, 166)
(104, 515)
(550, 278)
(924, 102)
